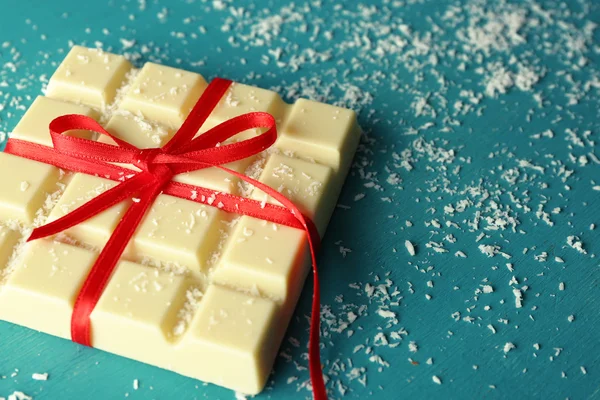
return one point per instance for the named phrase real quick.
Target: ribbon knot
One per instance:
(146, 158)
(161, 173)
(186, 151)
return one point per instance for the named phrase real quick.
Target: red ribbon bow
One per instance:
(183, 153)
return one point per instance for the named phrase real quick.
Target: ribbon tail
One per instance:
(101, 271)
(314, 351)
(91, 208)
(307, 224)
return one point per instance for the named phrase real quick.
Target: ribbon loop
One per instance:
(89, 149)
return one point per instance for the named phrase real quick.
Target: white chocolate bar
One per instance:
(179, 231)
(33, 127)
(242, 99)
(216, 179)
(97, 230)
(25, 186)
(307, 184)
(41, 287)
(145, 302)
(163, 94)
(263, 256)
(237, 333)
(136, 131)
(198, 291)
(8, 240)
(88, 76)
(327, 134)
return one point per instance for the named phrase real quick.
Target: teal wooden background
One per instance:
(451, 95)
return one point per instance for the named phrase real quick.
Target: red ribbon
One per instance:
(181, 154)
